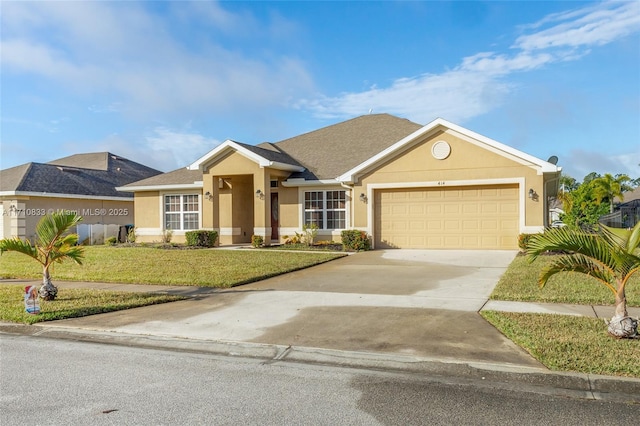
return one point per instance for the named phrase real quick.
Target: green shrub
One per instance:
(201, 238)
(111, 241)
(257, 241)
(523, 241)
(356, 240)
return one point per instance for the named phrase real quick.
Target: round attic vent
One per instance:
(440, 150)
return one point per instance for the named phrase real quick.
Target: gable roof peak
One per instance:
(540, 165)
(274, 158)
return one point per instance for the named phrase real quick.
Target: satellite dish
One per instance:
(553, 160)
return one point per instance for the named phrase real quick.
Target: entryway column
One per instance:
(210, 203)
(262, 206)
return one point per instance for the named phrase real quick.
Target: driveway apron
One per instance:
(422, 303)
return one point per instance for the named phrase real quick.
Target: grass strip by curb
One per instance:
(519, 283)
(569, 343)
(73, 303)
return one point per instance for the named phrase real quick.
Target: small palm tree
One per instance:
(608, 187)
(608, 258)
(53, 244)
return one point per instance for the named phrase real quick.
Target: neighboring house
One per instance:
(407, 185)
(84, 183)
(626, 214)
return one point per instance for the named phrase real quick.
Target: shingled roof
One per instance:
(328, 152)
(322, 154)
(93, 174)
(181, 176)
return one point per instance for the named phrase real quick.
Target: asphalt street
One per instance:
(56, 382)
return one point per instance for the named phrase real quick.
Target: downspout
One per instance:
(546, 197)
(352, 215)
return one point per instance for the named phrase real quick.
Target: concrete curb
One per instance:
(537, 380)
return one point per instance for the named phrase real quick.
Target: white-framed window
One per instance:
(326, 209)
(181, 212)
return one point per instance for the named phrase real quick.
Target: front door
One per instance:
(275, 223)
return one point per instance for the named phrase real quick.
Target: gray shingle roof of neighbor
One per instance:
(175, 177)
(328, 152)
(93, 174)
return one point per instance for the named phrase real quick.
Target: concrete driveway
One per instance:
(411, 302)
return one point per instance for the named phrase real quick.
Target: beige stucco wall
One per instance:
(234, 209)
(147, 216)
(466, 163)
(232, 180)
(289, 211)
(29, 210)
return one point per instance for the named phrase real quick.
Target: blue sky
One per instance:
(162, 83)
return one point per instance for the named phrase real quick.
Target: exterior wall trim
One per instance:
(172, 187)
(229, 231)
(336, 187)
(263, 232)
(291, 183)
(352, 175)
(227, 145)
(161, 195)
(520, 181)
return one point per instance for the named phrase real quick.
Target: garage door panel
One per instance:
(417, 226)
(484, 217)
(416, 209)
(469, 208)
(470, 225)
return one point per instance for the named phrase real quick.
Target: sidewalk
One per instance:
(591, 311)
(205, 323)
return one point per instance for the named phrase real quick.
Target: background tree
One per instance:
(580, 204)
(53, 244)
(607, 187)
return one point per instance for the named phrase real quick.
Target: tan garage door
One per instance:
(477, 217)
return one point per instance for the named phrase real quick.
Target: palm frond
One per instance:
(613, 238)
(581, 264)
(572, 241)
(72, 252)
(51, 227)
(19, 246)
(633, 240)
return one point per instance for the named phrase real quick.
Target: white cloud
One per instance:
(126, 52)
(454, 95)
(590, 26)
(175, 148)
(162, 148)
(584, 162)
(480, 82)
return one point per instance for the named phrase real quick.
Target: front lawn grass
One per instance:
(569, 343)
(73, 303)
(144, 265)
(519, 283)
(562, 342)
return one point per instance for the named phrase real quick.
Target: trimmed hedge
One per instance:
(201, 238)
(356, 240)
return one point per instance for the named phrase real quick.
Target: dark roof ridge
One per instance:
(7, 182)
(277, 154)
